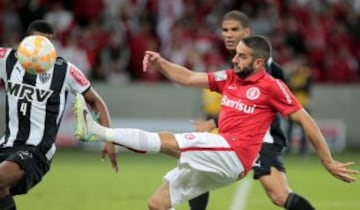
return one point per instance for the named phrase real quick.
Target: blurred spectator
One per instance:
(112, 7)
(31, 10)
(203, 40)
(341, 66)
(87, 11)
(264, 20)
(341, 38)
(180, 46)
(11, 21)
(315, 37)
(299, 81)
(140, 42)
(1, 19)
(71, 52)
(115, 58)
(213, 60)
(167, 14)
(61, 19)
(93, 39)
(293, 36)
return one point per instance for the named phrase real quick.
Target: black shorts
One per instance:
(270, 156)
(31, 161)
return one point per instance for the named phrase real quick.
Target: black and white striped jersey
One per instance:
(277, 135)
(35, 103)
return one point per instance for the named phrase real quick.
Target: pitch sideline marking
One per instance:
(241, 194)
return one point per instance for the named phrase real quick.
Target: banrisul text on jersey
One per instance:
(238, 104)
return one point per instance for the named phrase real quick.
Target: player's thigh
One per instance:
(24, 168)
(161, 197)
(10, 173)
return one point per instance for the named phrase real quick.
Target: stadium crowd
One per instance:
(107, 38)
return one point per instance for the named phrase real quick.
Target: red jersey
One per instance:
(248, 107)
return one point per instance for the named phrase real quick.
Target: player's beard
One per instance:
(246, 71)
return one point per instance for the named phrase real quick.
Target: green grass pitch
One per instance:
(79, 180)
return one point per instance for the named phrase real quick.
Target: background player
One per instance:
(28, 145)
(208, 161)
(299, 81)
(269, 168)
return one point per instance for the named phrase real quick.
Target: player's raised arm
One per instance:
(176, 73)
(337, 169)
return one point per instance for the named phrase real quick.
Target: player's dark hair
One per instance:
(41, 26)
(238, 16)
(260, 45)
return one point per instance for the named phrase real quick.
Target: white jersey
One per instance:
(35, 103)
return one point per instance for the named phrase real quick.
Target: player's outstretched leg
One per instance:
(137, 140)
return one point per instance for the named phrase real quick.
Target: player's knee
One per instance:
(155, 204)
(10, 174)
(278, 199)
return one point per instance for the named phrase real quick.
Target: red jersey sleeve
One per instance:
(218, 80)
(282, 99)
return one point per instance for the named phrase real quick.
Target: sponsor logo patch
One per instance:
(220, 76)
(253, 93)
(44, 77)
(189, 136)
(78, 76)
(24, 154)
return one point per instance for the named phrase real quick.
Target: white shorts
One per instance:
(206, 162)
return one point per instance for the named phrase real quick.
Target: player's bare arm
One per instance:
(99, 106)
(337, 169)
(174, 72)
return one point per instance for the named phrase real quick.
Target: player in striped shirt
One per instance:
(34, 110)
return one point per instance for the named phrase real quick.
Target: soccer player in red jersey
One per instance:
(269, 168)
(251, 99)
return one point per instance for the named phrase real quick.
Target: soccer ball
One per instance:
(36, 54)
